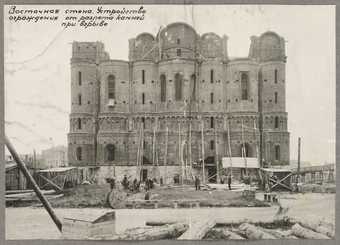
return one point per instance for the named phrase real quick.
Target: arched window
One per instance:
(79, 153)
(193, 86)
(178, 87)
(179, 52)
(275, 99)
(79, 78)
(143, 98)
(245, 150)
(111, 86)
(276, 122)
(163, 88)
(244, 85)
(211, 98)
(275, 76)
(211, 76)
(110, 152)
(143, 122)
(79, 99)
(143, 76)
(212, 144)
(212, 123)
(277, 152)
(79, 123)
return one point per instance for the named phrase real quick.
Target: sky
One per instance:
(37, 67)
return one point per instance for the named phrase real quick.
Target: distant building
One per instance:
(54, 157)
(146, 117)
(15, 179)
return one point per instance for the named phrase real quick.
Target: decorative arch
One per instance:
(277, 153)
(163, 87)
(244, 85)
(111, 87)
(79, 153)
(276, 122)
(110, 151)
(193, 86)
(178, 87)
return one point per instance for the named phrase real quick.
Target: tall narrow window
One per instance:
(211, 98)
(111, 86)
(277, 152)
(143, 98)
(79, 153)
(79, 123)
(143, 122)
(79, 99)
(276, 122)
(110, 152)
(244, 85)
(178, 87)
(275, 99)
(212, 122)
(212, 144)
(163, 88)
(211, 76)
(79, 78)
(143, 76)
(275, 76)
(178, 41)
(179, 52)
(193, 87)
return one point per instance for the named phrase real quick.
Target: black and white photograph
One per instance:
(170, 122)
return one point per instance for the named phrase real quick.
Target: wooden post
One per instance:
(243, 148)
(166, 154)
(180, 150)
(22, 167)
(298, 167)
(190, 158)
(203, 165)
(217, 161)
(153, 145)
(259, 104)
(229, 150)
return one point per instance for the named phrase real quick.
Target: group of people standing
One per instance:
(137, 185)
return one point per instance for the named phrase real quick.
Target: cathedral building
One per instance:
(178, 105)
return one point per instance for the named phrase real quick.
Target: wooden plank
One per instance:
(150, 233)
(198, 230)
(51, 183)
(303, 232)
(254, 232)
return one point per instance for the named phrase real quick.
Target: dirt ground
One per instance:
(95, 196)
(34, 223)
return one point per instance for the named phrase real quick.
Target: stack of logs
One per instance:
(210, 230)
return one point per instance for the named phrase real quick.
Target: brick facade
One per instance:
(223, 91)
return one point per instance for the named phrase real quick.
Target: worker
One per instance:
(197, 183)
(135, 184)
(229, 181)
(125, 183)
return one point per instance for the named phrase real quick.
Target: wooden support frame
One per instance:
(280, 182)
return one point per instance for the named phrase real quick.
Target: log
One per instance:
(198, 230)
(253, 232)
(303, 232)
(280, 234)
(319, 227)
(223, 234)
(153, 233)
(159, 223)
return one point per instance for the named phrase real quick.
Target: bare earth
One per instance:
(34, 223)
